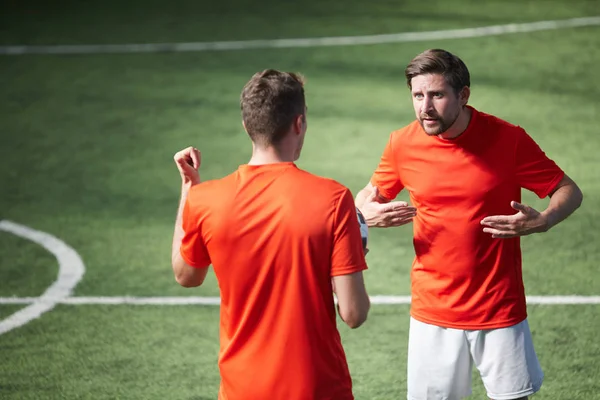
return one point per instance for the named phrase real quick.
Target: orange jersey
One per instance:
(275, 236)
(462, 277)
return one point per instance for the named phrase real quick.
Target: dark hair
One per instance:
(437, 61)
(270, 102)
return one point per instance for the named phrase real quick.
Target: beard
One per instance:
(441, 124)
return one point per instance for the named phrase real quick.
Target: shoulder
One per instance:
(406, 132)
(501, 131)
(492, 121)
(320, 183)
(208, 189)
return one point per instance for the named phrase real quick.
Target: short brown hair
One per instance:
(270, 102)
(442, 62)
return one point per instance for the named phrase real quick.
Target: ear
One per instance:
(299, 123)
(464, 95)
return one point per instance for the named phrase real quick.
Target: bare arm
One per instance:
(564, 200)
(365, 193)
(188, 162)
(185, 275)
(381, 212)
(353, 301)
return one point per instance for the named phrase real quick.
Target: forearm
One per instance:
(179, 232)
(185, 275)
(563, 202)
(361, 197)
(188, 162)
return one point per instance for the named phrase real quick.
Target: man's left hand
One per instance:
(527, 221)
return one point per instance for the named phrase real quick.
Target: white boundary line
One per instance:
(215, 301)
(303, 42)
(71, 270)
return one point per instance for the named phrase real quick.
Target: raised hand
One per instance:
(525, 222)
(385, 215)
(188, 162)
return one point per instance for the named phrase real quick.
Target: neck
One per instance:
(459, 126)
(269, 155)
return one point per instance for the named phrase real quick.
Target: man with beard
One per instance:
(464, 171)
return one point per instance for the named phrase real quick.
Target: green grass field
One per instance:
(86, 155)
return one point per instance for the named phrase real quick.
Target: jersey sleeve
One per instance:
(193, 249)
(534, 170)
(348, 255)
(386, 176)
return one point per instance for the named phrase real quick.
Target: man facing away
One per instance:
(278, 238)
(464, 171)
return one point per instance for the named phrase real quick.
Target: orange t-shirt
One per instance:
(462, 277)
(275, 236)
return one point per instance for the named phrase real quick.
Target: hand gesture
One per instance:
(188, 162)
(385, 215)
(525, 222)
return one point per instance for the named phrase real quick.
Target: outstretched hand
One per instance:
(385, 215)
(525, 222)
(188, 162)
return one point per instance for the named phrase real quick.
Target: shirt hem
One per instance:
(552, 186)
(470, 326)
(384, 193)
(348, 269)
(191, 263)
(535, 387)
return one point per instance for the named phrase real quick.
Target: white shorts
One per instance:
(440, 361)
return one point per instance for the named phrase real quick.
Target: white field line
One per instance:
(71, 270)
(304, 42)
(215, 301)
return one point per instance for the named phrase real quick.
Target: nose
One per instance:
(426, 104)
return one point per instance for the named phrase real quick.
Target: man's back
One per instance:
(270, 234)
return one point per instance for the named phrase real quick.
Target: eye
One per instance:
(438, 95)
(418, 96)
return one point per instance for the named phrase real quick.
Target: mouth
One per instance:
(429, 121)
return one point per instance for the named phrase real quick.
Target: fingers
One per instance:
(498, 223)
(525, 213)
(195, 155)
(517, 206)
(190, 156)
(396, 205)
(500, 234)
(497, 219)
(400, 221)
(398, 209)
(525, 209)
(399, 218)
(188, 162)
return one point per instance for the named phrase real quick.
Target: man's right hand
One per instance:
(188, 162)
(385, 215)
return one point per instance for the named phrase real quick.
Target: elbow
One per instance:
(356, 320)
(187, 282)
(186, 275)
(356, 317)
(188, 278)
(355, 323)
(579, 198)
